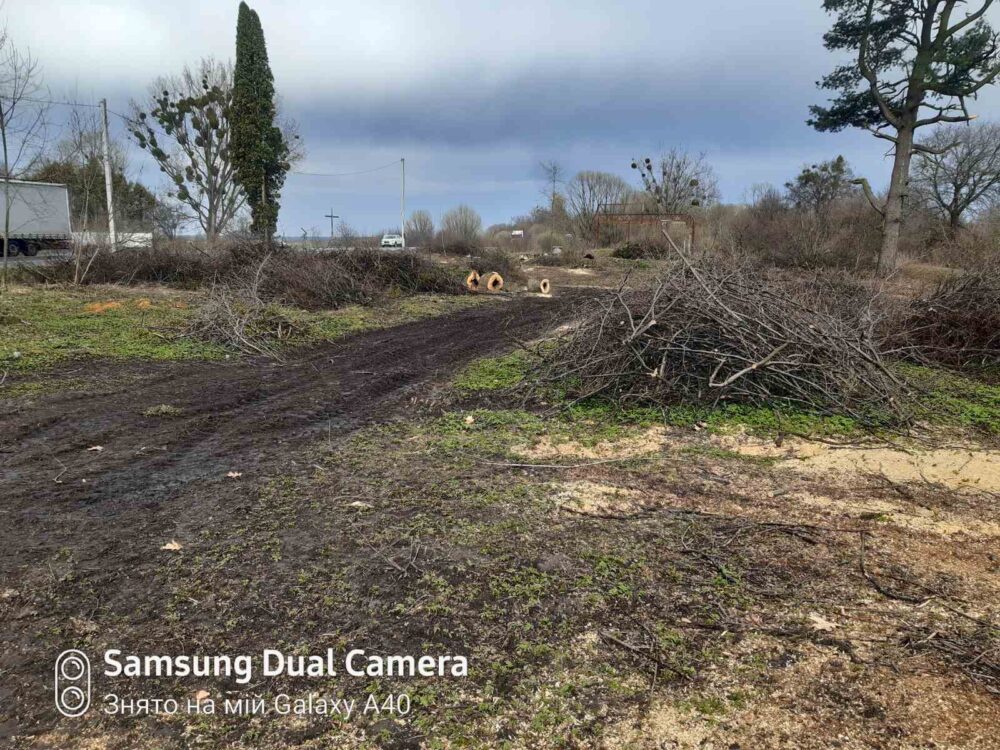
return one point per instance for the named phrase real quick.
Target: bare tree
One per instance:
(184, 124)
(461, 225)
(170, 216)
(77, 160)
(23, 123)
(680, 182)
(553, 173)
(588, 192)
(764, 198)
(83, 148)
(420, 229)
(961, 172)
(347, 236)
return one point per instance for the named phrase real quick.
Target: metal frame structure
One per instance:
(620, 215)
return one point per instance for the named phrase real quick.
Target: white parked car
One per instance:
(392, 240)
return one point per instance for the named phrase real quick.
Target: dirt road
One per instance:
(232, 416)
(94, 474)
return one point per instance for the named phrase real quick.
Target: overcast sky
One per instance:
(476, 94)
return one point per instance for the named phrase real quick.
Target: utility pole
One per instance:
(112, 232)
(331, 216)
(402, 203)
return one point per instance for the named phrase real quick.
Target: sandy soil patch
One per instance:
(814, 701)
(908, 516)
(957, 468)
(664, 725)
(547, 448)
(597, 499)
(813, 698)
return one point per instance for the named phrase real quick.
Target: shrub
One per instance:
(455, 247)
(177, 264)
(845, 235)
(975, 248)
(307, 280)
(956, 325)
(504, 263)
(643, 249)
(331, 280)
(567, 258)
(546, 240)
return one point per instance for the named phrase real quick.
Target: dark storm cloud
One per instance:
(475, 94)
(549, 107)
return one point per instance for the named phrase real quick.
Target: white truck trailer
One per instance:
(39, 216)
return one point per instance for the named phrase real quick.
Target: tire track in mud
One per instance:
(248, 416)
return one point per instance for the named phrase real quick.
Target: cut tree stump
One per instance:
(542, 286)
(472, 281)
(491, 281)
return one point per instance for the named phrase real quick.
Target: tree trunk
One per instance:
(899, 189)
(954, 223)
(6, 198)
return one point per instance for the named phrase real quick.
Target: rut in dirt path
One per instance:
(238, 416)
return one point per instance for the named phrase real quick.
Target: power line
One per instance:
(394, 163)
(50, 101)
(65, 104)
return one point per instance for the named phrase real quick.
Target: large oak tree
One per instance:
(964, 177)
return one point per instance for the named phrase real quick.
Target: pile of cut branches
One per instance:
(236, 316)
(956, 325)
(362, 276)
(708, 335)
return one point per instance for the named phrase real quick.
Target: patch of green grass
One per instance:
(495, 431)
(524, 586)
(327, 325)
(950, 399)
(45, 326)
(614, 576)
(709, 705)
(611, 415)
(493, 373)
(715, 707)
(603, 420)
(715, 451)
(762, 420)
(39, 387)
(484, 430)
(612, 420)
(943, 398)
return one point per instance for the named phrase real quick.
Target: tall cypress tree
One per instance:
(260, 153)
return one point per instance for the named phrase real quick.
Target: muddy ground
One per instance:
(98, 475)
(613, 585)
